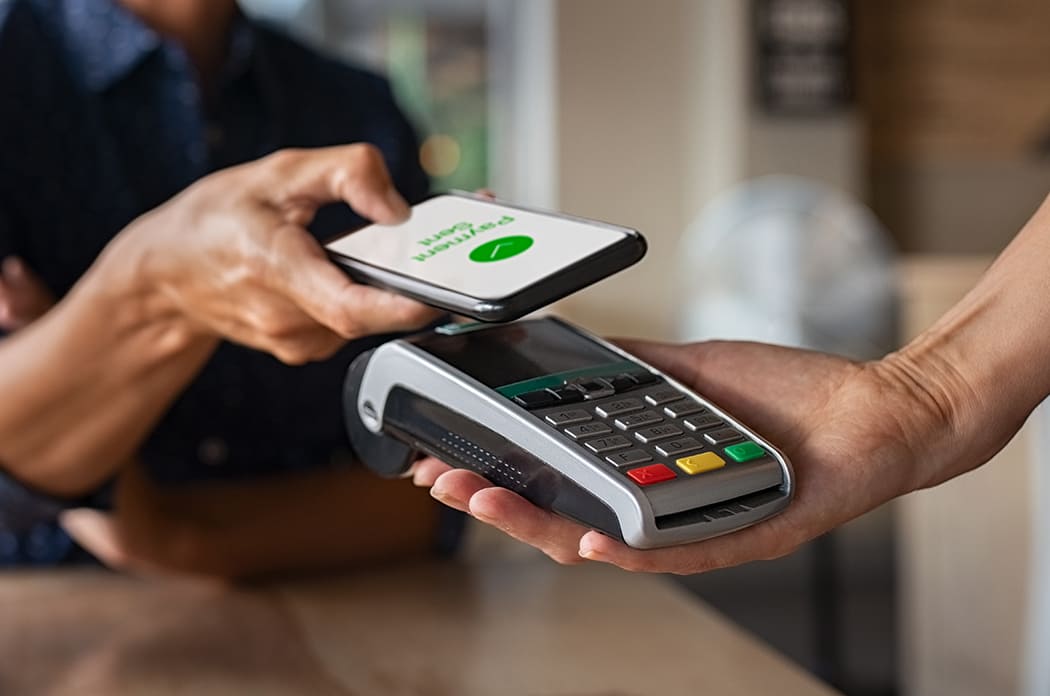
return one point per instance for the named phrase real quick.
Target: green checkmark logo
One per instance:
(502, 248)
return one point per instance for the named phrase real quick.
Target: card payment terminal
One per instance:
(570, 422)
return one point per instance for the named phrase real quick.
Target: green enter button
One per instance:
(745, 452)
(502, 248)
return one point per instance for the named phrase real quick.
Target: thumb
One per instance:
(301, 181)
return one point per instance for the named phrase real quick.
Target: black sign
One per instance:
(802, 56)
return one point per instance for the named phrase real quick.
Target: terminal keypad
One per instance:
(646, 429)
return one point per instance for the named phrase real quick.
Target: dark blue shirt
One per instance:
(101, 120)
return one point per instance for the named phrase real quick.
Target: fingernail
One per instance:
(14, 267)
(445, 499)
(440, 494)
(397, 204)
(589, 552)
(483, 517)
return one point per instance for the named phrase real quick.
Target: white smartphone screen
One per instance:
(478, 248)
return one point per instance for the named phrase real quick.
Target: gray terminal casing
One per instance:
(401, 401)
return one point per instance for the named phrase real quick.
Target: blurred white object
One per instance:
(791, 261)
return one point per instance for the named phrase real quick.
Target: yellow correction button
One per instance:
(699, 463)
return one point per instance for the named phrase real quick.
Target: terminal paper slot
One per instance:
(727, 508)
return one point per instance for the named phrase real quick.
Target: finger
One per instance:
(426, 471)
(517, 517)
(308, 346)
(456, 487)
(95, 531)
(315, 284)
(751, 544)
(767, 385)
(667, 357)
(279, 321)
(298, 180)
(283, 331)
(682, 560)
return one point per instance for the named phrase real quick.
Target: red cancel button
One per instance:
(654, 473)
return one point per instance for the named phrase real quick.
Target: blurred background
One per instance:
(817, 172)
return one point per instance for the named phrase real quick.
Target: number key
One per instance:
(657, 432)
(703, 422)
(629, 458)
(575, 415)
(671, 448)
(615, 408)
(577, 432)
(663, 396)
(607, 444)
(683, 408)
(638, 420)
(722, 436)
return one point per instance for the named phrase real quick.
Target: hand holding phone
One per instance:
(485, 259)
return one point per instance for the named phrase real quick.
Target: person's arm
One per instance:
(228, 257)
(858, 434)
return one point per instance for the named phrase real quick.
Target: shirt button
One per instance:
(213, 451)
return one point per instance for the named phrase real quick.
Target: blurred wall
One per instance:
(956, 94)
(655, 116)
(625, 72)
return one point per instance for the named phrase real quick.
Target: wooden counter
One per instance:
(495, 628)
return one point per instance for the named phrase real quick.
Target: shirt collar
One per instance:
(106, 42)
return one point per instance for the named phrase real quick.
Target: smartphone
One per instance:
(485, 259)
